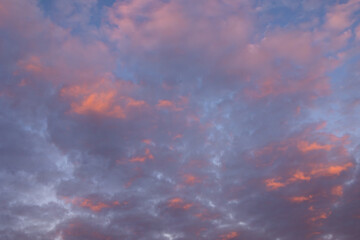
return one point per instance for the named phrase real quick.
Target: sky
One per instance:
(179, 119)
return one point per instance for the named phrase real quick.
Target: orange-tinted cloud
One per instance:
(304, 146)
(32, 64)
(101, 103)
(147, 155)
(138, 159)
(344, 139)
(337, 191)
(175, 201)
(320, 216)
(330, 170)
(166, 104)
(205, 215)
(177, 136)
(273, 184)
(147, 141)
(308, 167)
(179, 203)
(299, 176)
(191, 179)
(316, 172)
(95, 206)
(104, 98)
(300, 199)
(228, 236)
(130, 102)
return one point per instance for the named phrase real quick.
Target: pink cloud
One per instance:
(339, 17)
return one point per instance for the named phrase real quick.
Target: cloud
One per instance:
(182, 119)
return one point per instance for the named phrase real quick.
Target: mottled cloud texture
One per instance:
(179, 119)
